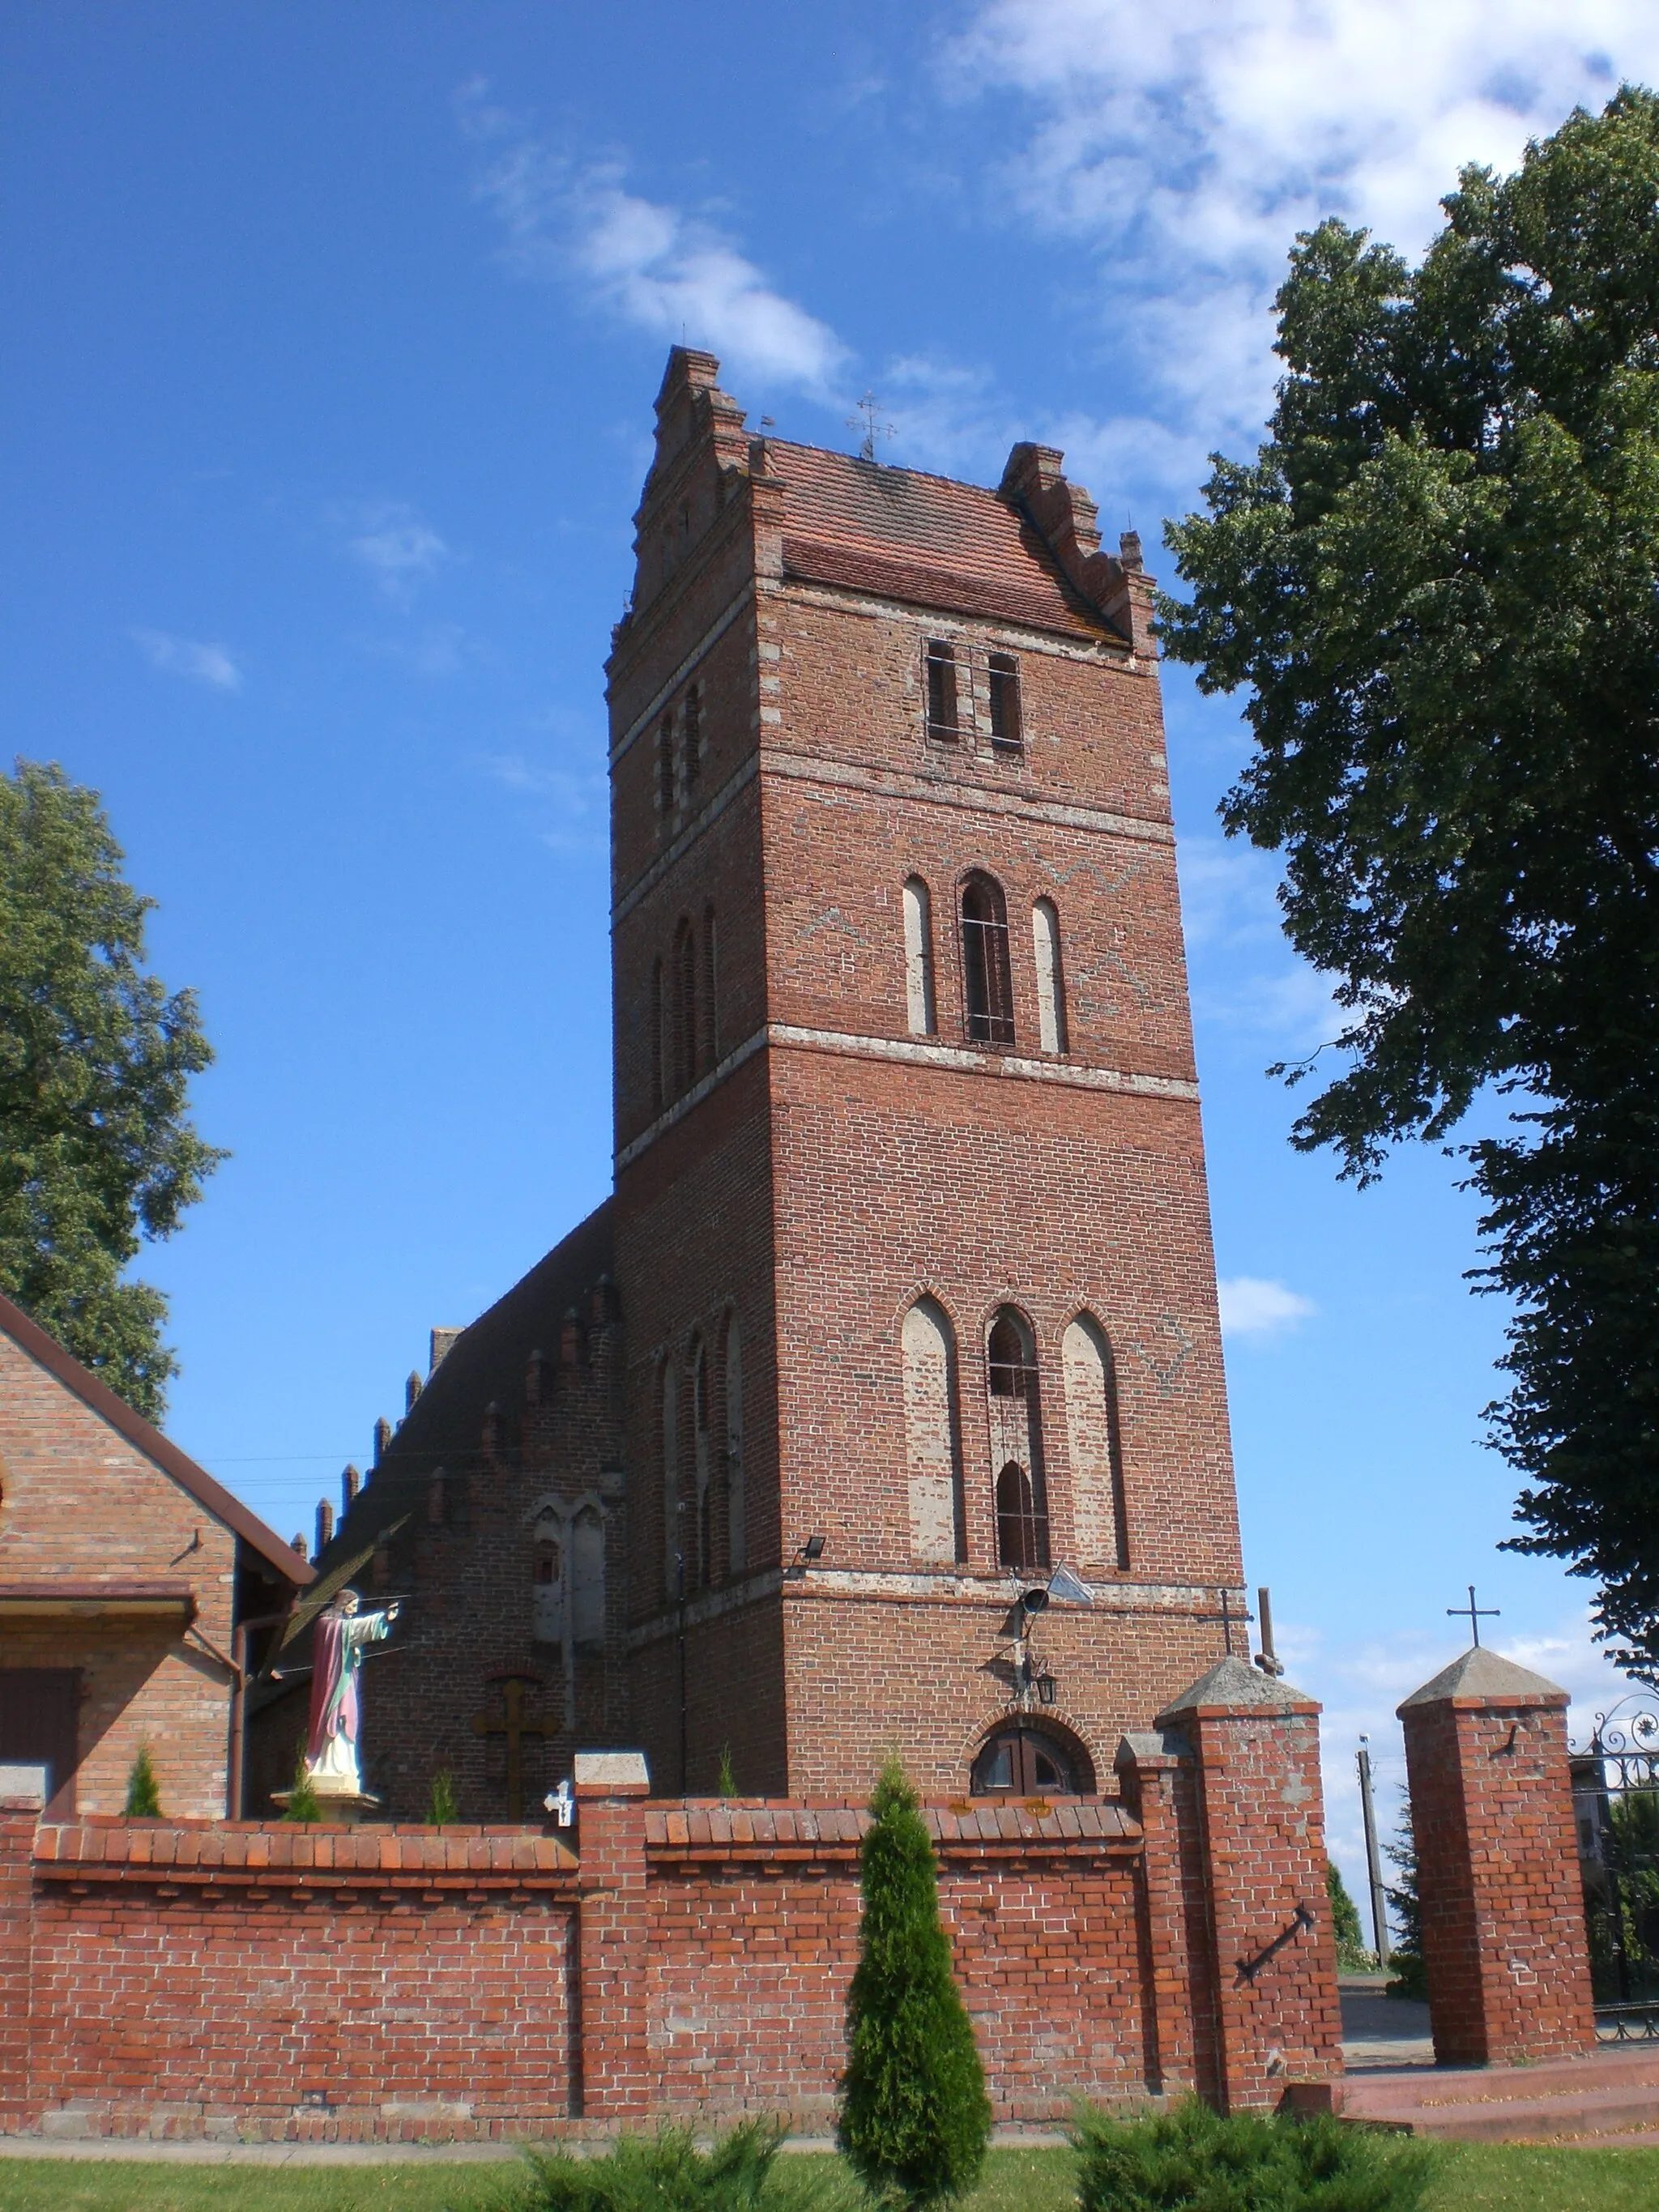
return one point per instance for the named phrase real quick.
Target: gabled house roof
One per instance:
(212, 1496)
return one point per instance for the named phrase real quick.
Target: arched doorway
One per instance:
(1030, 1759)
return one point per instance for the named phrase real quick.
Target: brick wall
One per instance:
(693, 1959)
(1497, 1867)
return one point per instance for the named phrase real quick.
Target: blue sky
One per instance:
(334, 337)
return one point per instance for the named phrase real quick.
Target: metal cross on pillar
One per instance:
(1476, 1613)
(515, 1724)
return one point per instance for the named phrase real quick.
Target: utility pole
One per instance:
(1373, 1859)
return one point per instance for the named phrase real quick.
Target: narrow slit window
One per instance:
(919, 958)
(685, 1009)
(691, 739)
(659, 1042)
(1007, 730)
(711, 1004)
(941, 691)
(987, 989)
(1050, 985)
(666, 768)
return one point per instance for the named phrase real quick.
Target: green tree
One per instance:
(303, 1802)
(1436, 581)
(144, 1791)
(1351, 1954)
(1411, 1973)
(914, 2117)
(96, 1154)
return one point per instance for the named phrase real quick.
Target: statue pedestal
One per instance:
(339, 1808)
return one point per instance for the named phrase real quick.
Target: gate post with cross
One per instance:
(1498, 1874)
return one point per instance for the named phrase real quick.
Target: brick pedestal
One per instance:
(613, 2076)
(18, 1817)
(1498, 1865)
(1257, 1823)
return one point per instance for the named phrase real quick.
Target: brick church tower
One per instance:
(904, 1302)
(911, 1231)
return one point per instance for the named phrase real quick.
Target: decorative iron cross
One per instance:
(515, 1725)
(1476, 1613)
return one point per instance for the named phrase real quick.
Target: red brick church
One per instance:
(905, 1301)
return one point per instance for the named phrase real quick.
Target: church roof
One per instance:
(1487, 1675)
(925, 539)
(485, 1365)
(212, 1496)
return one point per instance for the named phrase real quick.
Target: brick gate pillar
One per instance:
(612, 2065)
(1260, 1850)
(1498, 1864)
(1147, 1769)
(20, 1811)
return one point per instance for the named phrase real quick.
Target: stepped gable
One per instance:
(925, 539)
(484, 1366)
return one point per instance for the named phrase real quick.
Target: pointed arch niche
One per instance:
(671, 1479)
(1016, 1424)
(1097, 1504)
(937, 1522)
(737, 1519)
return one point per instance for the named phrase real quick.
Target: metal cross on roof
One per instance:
(1476, 1613)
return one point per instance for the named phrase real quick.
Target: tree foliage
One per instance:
(1437, 583)
(1406, 1959)
(1353, 1954)
(143, 1790)
(1190, 2158)
(914, 2117)
(96, 1152)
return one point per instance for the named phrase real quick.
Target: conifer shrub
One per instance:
(1353, 1955)
(665, 2172)
(1191, 2160)
(143, 1790)
(443, 1807)
(1411, 1973)
(303, 1802)
(914, 2117)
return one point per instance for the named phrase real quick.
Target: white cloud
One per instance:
(667, 271)
(1189, 151)
(212, 664)
(397, 547)
(1252, 1306)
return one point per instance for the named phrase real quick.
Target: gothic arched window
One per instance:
(919, 958)
(737, 1540)
(1050, 985)
(586, 1552)
(665, 770)
(1098, 1513)
(704, 1574)
(671, 1479)
(927, 1343)
(987, 990)
(659, 1042)
(686, 1008)
(1015, 1410)
(691, 742)
(547, 1586)
(711, 1002)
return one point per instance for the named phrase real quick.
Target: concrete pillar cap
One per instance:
(1481, 1677)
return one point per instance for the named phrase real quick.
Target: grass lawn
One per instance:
(1470, 2177)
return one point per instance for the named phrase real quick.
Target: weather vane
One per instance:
(867, 421)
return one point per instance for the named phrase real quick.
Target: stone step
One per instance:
(1604, 2094)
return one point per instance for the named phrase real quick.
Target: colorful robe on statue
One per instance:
(336, 1660)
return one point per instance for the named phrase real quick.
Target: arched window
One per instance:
(686, 1008)
(666, 769)
(691, 743)
(986, 990)
(941, 691)
(711, 999)
(547, 1586)
(737, 1541)
(1007, 727)
(1050, 986)
(1022, 1533)
(1030, 1759)
(937, 1522)
(671, 1479)
(586, 1549)
(919, 958)
(659, 1042)
(704, 1574)
(1016, 1427)
(1098, 1505)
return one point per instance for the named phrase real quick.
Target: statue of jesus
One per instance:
(336, 1659)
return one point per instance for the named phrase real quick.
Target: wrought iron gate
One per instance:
(1615, 1802)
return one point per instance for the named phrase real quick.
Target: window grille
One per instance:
(1007, 729)
(1022, 1525)
(987, 989)
(941, 691)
